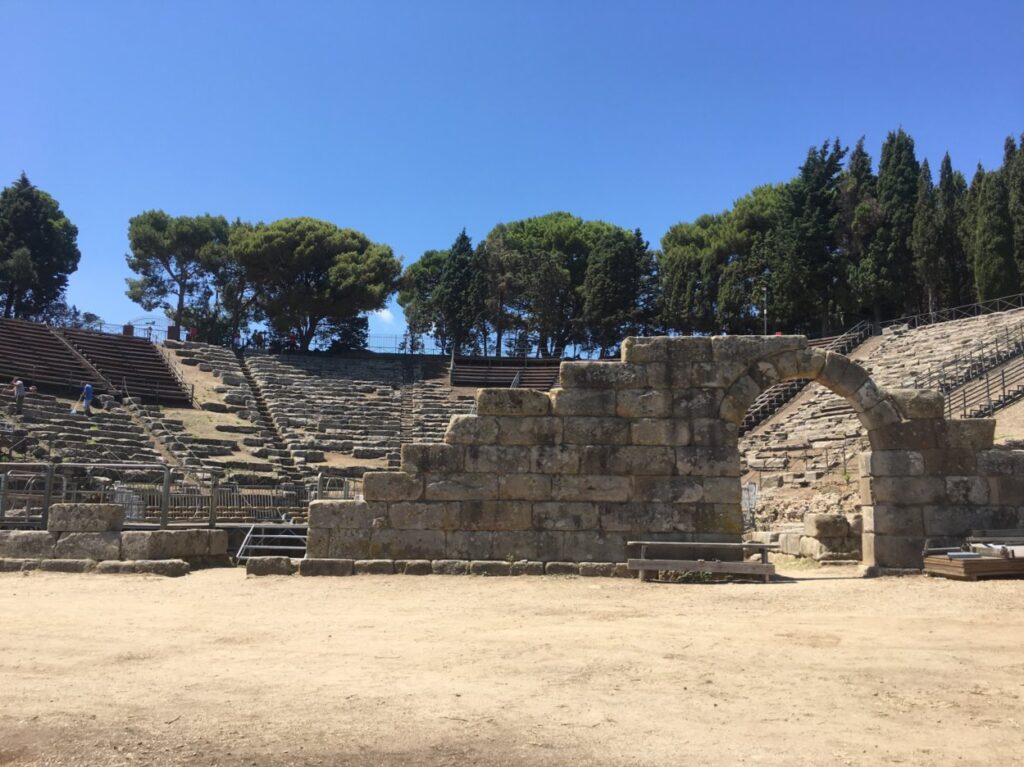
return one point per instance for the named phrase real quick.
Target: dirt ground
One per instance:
(822, 668)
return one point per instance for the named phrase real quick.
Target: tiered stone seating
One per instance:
(818, 436)
(433, 404)
(40, 358)
(47, 429)
(130, 363)
(502, 372)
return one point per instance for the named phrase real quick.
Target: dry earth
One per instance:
(215, 668)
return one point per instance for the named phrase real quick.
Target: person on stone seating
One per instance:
(18, 387)
(87, 398)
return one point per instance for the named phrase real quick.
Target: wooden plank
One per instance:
(701, 566)
(704, 544)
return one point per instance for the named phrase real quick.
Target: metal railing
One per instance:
(992, 306)
(991, 391)
(973, 363)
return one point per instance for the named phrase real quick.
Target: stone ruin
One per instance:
(646, 448)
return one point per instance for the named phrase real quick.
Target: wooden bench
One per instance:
(645, 565)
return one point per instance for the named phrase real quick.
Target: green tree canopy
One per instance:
(310, 274)
(925, 237)
(995, 270)
(38, 250)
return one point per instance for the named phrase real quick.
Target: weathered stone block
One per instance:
(216, 543)
(968, 490)
(802, 363)
(868, 396)
(496, 515)
(498, 459)
(471, 430)
(956, 461)
(168, 568)
(373, 567)
(583, 402)
(826, 525)
(878, 416)
(597, 569)
(723, 521)
(490, 567)
(641, 350)
(348, 544)
(789, 543)
(27, 544)
(918, 403)
(512, 402)
(85, 517)
(721, 490)
(595, 431)
(269, 566)
(407, 544)
(712, 432)
(325, 567)
(715, 375)
(524, 487)
(603, 375)
(895, 551)
(643, 403)
(392, 486)
(561, 568)
(628, 460)
(1006, 491)
(462, 487)
(450, 566)
(350, 514)
(668, 489)
(977, 433)
(67, 565)
(560, 459)
(953, 521)
(428, 457)
(738, 398)
(565, 516)
(317, 542)
(1000, 461)
(691, 403)
(841, 375)
(88, 546)
(885, 519)
(920, 434)
(908, 490)
(427, 515)
(590, 487)
(13, 565)
(626, 517)
(708, 461)
(891, 463)
(669, 432)
(527, 567)
(747, 349)
(468, 544)
(413, 567)
(529, 430)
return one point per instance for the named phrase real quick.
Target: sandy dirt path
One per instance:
(216, 668)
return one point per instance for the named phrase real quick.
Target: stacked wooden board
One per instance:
(971, 569)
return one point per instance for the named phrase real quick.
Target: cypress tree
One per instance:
(898, 172)
(925, 237)
(1013, 168)
(860, 218)
(957, 279)
(458, 292)
(995, 271)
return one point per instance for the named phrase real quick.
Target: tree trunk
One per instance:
(181, 303)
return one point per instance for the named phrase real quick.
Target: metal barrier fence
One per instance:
(154, 496)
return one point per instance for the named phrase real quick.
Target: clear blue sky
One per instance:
(411, 120)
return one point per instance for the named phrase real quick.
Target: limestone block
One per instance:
(590, 487)
(495, 515)
(603, 375)
(413, 567)
(866, 397)
(216, 543)
(887, 519)
(595, 431)
(972, 491)
(407, 544)
(891, 463)
(632, 516)
(529, 430)
(856, 524)
(468, 544)
(392, 486)
(669, 432)
(269, 566)
(88, 546)
(1006, 491)
(882, 414)
(561, 568)
(373, 567)
(317, 542)
(429, 457)
(643, 403)
(449, 567)
(325, 567)
(952, 521)
(691, 403)
(718, 519)
(799, 364)
(565, 516)
(85, 517)
(427, 515)
(66, 565)
(471, 430)
(977, 433)
(168, 568)
(789, 543)
(721, 490)
(826, 525)
(641, 349)
(747, 349)
(908, 490)
(689, 349)
(462, 487)
(739, 397)
(720, 374)
(527, 567)
(628, 460)
(512, 402)
(713, 432)
(597, 569)
(347, 544)
(494, 459)
(895, 551)
(918, 403)
(708, 461)
(350, 514)
(490, 567)
(561, 459)
(673, 518)
(27, 544)
(919, 434)
(15, 565)
(524, 487)
(668, 489)
(583, 402)
(955, 461)
(734, 409)
(1000, 461)
(841, 375)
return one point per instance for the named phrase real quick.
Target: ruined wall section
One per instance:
(623, 450)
